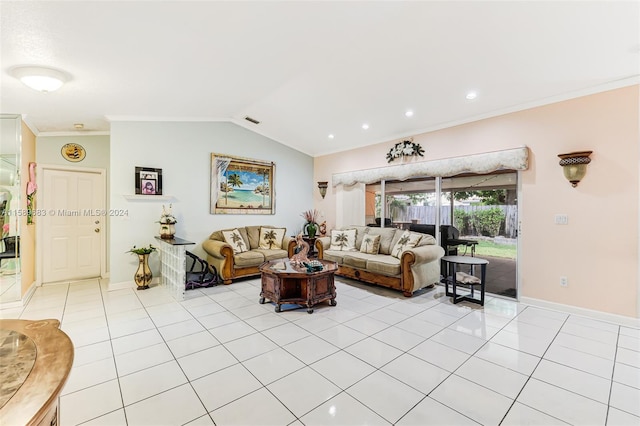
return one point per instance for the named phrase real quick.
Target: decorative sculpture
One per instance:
(167, 223)
(323, 228)
(32, 187)
(301, 250)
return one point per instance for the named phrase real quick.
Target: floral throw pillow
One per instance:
(370, 244)
(271, 238)
(407, 240)
(235, 240)
(343, 240)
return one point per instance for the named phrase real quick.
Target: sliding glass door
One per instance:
(479, 208)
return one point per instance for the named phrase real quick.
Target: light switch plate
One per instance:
(562, 219)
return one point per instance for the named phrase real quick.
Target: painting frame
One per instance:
(148, 181)
(251, 191)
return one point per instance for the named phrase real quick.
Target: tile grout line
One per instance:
(294, 319)
(532, 372)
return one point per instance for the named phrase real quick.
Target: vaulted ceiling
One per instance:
(309, 69)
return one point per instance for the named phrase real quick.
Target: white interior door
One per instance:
(72, 218)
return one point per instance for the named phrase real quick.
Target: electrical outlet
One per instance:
(562, 219)
(564, 282)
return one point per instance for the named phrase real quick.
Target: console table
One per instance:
(36, 360)
(173, 256)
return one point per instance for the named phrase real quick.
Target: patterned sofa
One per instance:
(404, 260)
(236, 252)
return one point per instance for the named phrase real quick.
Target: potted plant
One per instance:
(311, 225)
(167, 224)
(143, 274)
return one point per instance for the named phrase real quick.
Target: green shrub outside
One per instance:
(461, 221)
(483, 222)
(487, 222)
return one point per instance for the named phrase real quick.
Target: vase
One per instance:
(167, 231)
(143, 274)
(311, 229)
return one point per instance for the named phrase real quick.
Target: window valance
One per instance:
(510, 159)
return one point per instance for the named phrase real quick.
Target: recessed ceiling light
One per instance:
(41, 79)
(471, 95)
(331, 136)
(365, 126)
(409, 113)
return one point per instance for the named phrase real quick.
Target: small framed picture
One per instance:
(148, 181)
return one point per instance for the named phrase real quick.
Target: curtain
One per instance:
(350, 205)
(510, 159)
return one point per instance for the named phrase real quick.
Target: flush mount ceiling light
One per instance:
(331, 136)
(409, 113)
(365, 126)
(42, 79)
(471, 95)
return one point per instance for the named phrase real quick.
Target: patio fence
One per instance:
(427, 214)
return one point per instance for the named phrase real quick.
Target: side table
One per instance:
(452, 263)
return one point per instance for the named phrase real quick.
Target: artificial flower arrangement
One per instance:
(167, 217)
(311, 227)
(142, 250)
(311, 216)
(404, 149)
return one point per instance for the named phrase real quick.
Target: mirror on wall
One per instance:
(10, 282)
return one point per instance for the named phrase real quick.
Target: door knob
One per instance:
(97, 230)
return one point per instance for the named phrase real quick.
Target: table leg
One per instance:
(454, 281)
(483, 272)
(447, 279)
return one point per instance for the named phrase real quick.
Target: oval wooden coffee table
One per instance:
(283, 283)
(36, 360)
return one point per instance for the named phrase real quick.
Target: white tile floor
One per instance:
(377, 358)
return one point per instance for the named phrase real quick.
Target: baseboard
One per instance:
(22, 301)
(129, 284)
(27, 296)
(12, 305)
(589, 313)
(120, 286)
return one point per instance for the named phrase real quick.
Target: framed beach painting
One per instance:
(242, 185)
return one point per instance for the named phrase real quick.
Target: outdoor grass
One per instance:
(489, 248)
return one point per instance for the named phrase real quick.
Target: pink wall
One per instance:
(598, 250)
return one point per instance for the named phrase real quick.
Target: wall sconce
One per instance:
(574, 165)
(322, 186)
